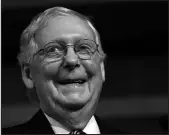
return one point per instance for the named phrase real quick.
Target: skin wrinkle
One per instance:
(40, 22)
(52, 99)
(70, 120)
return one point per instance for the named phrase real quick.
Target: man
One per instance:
(62, 64)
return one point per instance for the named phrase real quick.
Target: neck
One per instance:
(73, 119)
(76, 119)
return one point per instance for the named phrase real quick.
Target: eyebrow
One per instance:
(63, 40)
(60, 41)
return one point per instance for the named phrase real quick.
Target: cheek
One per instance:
(51, 69)
(47, 94)
(46, 69)
(92, 67)
(95, 84)
(94, 70)
(42, 77)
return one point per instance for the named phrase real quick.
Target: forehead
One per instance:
(67, 28)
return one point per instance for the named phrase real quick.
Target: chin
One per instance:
(76, 102)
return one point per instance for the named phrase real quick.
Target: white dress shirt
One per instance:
(91, 127)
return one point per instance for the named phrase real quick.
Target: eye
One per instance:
(85, 48)
(54, 50)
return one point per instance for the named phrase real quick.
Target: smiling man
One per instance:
(62, 64)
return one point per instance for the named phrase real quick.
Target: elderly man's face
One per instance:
(56, 81)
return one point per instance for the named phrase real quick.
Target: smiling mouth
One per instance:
(72, 81)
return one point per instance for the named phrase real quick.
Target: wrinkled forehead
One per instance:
(67, 28)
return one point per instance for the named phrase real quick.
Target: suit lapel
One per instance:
(40, 125)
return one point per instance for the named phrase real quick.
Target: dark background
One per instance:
(134, 36)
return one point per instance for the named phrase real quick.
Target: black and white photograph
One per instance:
(109, 74)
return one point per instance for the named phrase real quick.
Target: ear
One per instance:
(26, 76)
(102, 70)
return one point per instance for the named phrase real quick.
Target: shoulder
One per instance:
(19, 129)
(38, 124)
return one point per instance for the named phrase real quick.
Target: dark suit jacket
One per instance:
(40, 125)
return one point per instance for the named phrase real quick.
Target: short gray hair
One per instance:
(28, 45)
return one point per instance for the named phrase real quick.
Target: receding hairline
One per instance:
(28, 43)
(89, 31)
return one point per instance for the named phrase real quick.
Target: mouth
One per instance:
(73, 81)
(75, 90)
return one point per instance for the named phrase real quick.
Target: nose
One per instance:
(71, 60)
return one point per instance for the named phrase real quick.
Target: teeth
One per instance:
(77, 81)
(73, 81)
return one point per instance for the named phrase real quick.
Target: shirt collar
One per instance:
(91, 127)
